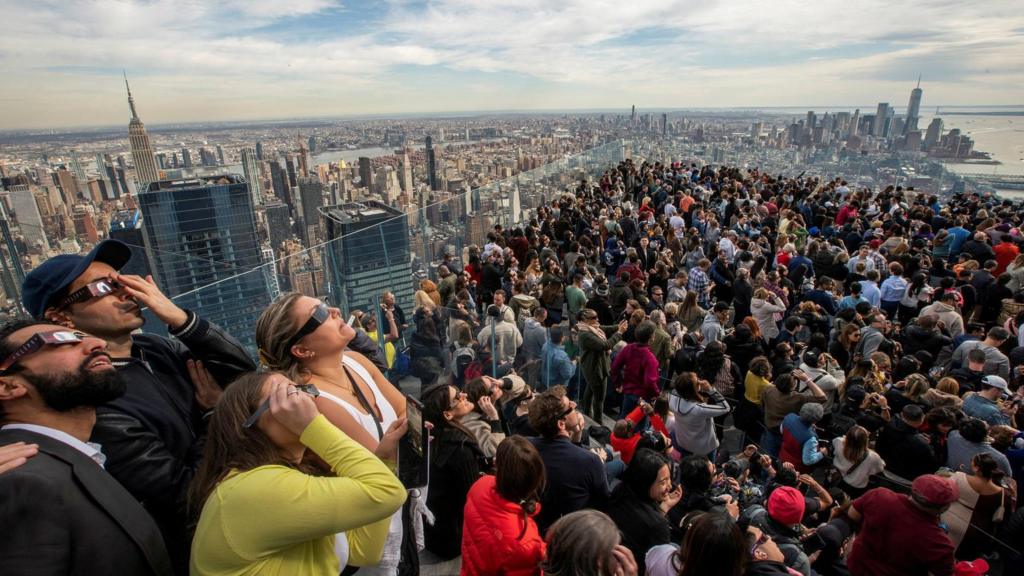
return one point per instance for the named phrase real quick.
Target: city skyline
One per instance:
(325, 59)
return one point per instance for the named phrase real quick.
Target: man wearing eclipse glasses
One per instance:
(62, 511)
(152, 436)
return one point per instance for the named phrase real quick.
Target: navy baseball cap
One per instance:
(54, 276)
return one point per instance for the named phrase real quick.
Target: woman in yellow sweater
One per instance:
(268, 510)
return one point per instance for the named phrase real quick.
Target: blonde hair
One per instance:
(423, 300)
(274, 329)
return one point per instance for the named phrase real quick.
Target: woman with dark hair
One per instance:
(713, 544)
(696, 404)
(499, 535)
(587, 543)
(843, 349)
(691, 315)
(639, 503)
(255, 461)
(984, 503)
(715, 366)
(456, 462)
(917, 296)
(743, 347)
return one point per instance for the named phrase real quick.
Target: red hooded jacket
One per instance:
(491, 541)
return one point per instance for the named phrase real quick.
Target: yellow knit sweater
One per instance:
(277, 520)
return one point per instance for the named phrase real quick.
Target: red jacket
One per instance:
(1006, 252)
(491, 527)
(626, 447)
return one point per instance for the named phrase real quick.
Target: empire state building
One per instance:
(142, 151)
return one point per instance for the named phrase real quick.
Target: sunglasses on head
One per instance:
(320, 315)
(265, 405)
(91, 290)
(36, 343)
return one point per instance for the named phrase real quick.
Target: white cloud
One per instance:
(203, 59)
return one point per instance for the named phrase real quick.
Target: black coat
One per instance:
(62, 514)
(907, 453)
(153, 436)
(640, 522)
(456, 462)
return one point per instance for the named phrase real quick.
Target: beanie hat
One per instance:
(786, 505)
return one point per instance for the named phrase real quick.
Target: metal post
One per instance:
(494, 348)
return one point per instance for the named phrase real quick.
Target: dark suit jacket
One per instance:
(63, 514)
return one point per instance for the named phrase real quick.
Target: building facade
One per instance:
(368, 253)
(204, 250)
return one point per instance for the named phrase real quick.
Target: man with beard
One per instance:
(153, 434)
(64, 514)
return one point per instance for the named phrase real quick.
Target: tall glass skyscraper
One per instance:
(204, 250)
(368, 253)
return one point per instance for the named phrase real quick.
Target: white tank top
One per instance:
(387, 411)
(393, 544)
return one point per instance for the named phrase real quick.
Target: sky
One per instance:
(201, 60)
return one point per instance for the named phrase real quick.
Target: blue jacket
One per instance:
(982, 408)
(556, 368)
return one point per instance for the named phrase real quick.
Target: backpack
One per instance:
(463, 360)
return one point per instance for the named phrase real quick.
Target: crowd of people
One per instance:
(797, 376)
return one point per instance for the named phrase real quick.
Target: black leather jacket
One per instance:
(153, 435)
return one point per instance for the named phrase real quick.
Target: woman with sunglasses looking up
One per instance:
(456, 462)
(307, 340)
(248, 471)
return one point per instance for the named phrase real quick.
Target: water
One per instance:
(349, 155)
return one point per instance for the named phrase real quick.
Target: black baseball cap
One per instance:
(52, 277)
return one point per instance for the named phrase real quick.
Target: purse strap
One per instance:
(375, 414)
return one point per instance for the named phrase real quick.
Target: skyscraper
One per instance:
(279, 179)
(311, 196)
(934, 134)
(914, 107)
(186, 158)
(201, 236)
(77, 170)
(303, 158)
(26, 212)
(881, 116)
(405, 176)
(259, 151)
(431, 164)
(369, 253)
(365, 173)
(138, 140)
(251, 169)
(279, 224)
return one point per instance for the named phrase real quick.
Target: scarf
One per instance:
(595, 330)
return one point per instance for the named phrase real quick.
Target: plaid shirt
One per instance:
(699, 283)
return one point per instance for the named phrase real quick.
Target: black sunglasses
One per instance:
(320, 315)
(265, 405)
(89, 291)
(36, 343)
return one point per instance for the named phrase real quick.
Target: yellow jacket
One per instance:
(277, 520)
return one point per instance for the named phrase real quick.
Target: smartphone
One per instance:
(352, 320)
(414, 448)
(814, 543)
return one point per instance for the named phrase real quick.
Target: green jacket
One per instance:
(594, 358)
